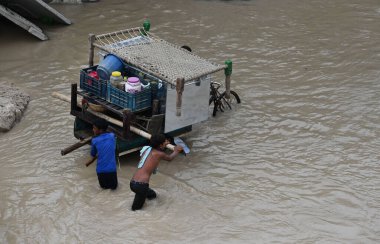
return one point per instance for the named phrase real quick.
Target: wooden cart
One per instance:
(176, 91)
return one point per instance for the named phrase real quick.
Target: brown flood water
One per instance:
(297, 162)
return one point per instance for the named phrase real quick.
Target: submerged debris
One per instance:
(13, 102)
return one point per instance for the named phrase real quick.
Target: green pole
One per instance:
(228, 72)
(228, 69)
(146, 26)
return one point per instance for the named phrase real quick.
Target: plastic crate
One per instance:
(133, 101)
(92, 85)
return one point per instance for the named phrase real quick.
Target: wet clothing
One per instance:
(104, 146)
(142, 191)
(108, 180)
(144, 153)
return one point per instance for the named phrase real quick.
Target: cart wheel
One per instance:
(222, 103)
(213, 105)
(232, 101)
(214, 110)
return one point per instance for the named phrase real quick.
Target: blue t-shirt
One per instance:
(104, 146)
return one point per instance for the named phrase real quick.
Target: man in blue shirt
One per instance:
(103, 147)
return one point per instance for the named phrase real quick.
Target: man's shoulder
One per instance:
(158, 153)
(104, 136)
(109, 135)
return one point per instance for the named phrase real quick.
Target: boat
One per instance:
(175, 88)
(23, 23)
(20, 11)
(36, 9)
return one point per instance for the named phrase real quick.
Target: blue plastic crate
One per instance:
(133, 101)
(92, 85)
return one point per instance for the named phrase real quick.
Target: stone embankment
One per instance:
(13, 102)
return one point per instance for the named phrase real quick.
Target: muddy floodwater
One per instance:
(296, 162)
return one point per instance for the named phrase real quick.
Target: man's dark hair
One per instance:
(157, 140)
(101, 124)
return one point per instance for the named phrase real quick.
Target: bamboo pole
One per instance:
(180, 85)
(155, 107)
(91, 40)
(76, 146)
(110, 119)
(126, 122)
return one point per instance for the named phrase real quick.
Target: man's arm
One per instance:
(171, 156)
(93, 149)
(92, 159)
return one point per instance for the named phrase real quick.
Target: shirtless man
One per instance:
(150, 158)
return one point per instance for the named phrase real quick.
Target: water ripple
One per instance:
(296, 162)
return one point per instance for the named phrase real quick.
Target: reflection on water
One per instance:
(297, 162)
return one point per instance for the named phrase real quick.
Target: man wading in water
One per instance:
(103, 148)
(150, 158)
